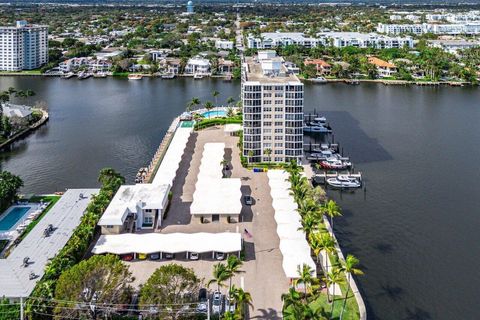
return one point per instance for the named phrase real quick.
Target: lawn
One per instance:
(23, 72)
(52, 199)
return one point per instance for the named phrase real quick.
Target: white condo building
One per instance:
(23, 47)
(272, 110)
(336, 39)
(450, 29)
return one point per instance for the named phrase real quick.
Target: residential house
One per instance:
(197, 65)
(321, 66)
(13, 110)
(384, 68)
(170, 65)
(224, 44)
(225, 66)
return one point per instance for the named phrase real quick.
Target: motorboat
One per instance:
(168, 76)
(317, 123)
(84, 75)
(317, 129)
(344, 181)
(319, 80)
(135, 77)
(100, 75)
(335, 164)
(68, 75)
(197, 76)
(320, 119)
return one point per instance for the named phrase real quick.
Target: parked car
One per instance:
(142, 256)
(248, 200)
(202, 300)
(127, 257)
(169, 255)
(219, 255)
(194, 256)
(154, 256)
(217, 302)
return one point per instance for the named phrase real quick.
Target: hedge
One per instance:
(216, 121)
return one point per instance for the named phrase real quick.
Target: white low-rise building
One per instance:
(14, 110)
(133, 207)
(453, 46)
(336, 39)
(224, 44)
(197, 66)
(435, 28)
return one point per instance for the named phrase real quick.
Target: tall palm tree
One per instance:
(309, 224)
(331, 209)
(334, 277)
(208, 105)
(233, 267)
(322, 242)
(350, 267)
(215, 94)
(304, 277)
(268, 153)
(193, 103)
(292, 167)
(220, 275)
(242, 298)
(230, 100)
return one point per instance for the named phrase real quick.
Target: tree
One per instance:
(268, 153)
(349, 267)
(220, 275)
(322, 242)
(331, 209)
(215, 94)
(233, 267)
(169, 286)
(250, 155)
(84, 288)
(243, 299)
(9, 186)
(305, 278)
(109, 177)
(333, 278)
(7, 127)
(9, 310)
(193, 103)
(208, 105)
(230, 101)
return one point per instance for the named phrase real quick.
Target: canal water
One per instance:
(415, 229)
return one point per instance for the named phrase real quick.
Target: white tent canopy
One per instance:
(171, 243)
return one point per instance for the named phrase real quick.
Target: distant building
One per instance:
(190, 7)
(384, 68)
(14, 110)
(23, 47)
(470, 28)
(224, 44)
(272, 110)
(321, 66)
(335, 39)
(197, 66)
(452, 46)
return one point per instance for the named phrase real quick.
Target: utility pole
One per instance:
(21, 308)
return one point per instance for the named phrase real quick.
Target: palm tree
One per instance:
(331, 209)
(291, 298)
(250, 155)
(242, 298)
(215, 94)
(310, 312)
(292, 167)
(193, 103)
(322, 242)
(267, 152)
(233, 267)
(230, 112)
(350, 267)
(220, 274)
(230, 100)
(334, 277)
(309, 224)
(305, 278)
(208, 105)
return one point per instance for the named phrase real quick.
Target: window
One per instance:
(267, 95)
(278, 123)
(278, 151)
(267, 130)
(267, 116)
(278, 145)
(278, 138)
(278, 130)
(148, 220)
(267, 138)
(278, 109)
(278, 101)
(278, 94)
(279, 116)
(267, 123)
(267, 101)
(148, 210)
(109, 227)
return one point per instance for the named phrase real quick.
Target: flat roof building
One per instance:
(272, 110)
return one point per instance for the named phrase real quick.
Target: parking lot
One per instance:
(263, 275)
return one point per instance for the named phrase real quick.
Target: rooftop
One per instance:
(268, 70)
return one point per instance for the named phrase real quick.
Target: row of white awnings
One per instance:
(215, 195)
(226, 242)
(293, 244)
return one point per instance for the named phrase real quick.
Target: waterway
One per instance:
(415, 227)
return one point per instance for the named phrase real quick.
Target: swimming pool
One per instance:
(12, 216)
(215, 114)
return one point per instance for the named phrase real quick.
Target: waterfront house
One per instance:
(321, 66)
(170, 65)
(197, 65)
(225, 66)
(13, 110)
(224, 44)
(384, 68)
(135, 207)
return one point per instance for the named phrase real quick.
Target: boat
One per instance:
(68, 75)
(135, 77)
(335, 164)
(100, 75)
(353, 81)
(344, 181)
(168, 76)
(228, 78)
(84, 75)
(320, 119)
(316, 129)
(197, 76)
(319, 80)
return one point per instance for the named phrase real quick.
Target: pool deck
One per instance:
(11, 233)
(65, 217)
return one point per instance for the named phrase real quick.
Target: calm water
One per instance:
(415, 229)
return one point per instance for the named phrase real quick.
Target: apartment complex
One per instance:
(336, 39)
(272, 110)
(23, 47)
(450, 29)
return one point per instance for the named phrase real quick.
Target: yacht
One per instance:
(168, 76)
(320, 119)
(344, 181)
(320, 80)
(84, 75)
(197, 76)
(316, 128)
(135, 77)
(68, 75)
(335, 164)
(100, 75)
